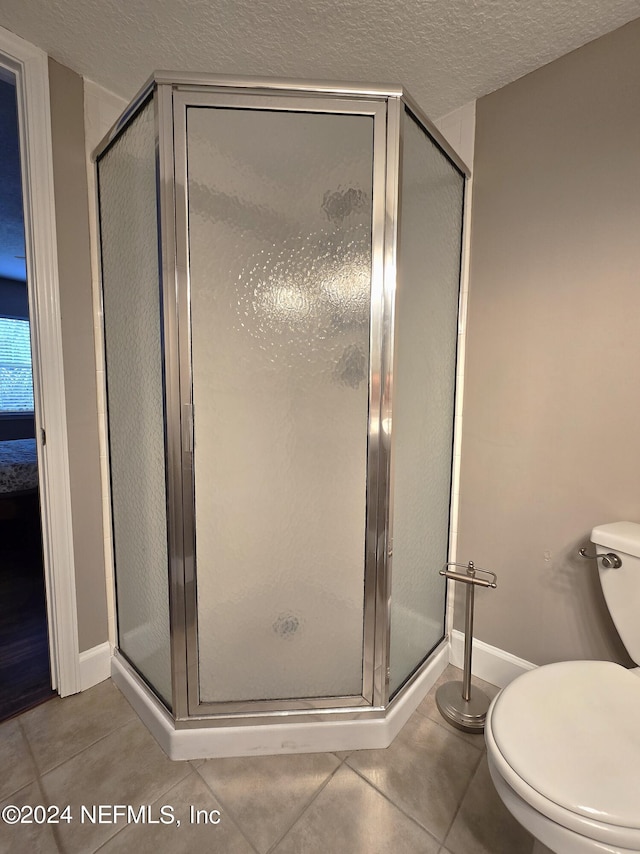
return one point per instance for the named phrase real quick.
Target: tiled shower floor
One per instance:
(429, 792)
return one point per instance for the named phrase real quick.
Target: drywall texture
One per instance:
(101, 110)
(551, 413)
(447, 52)
(76, 306)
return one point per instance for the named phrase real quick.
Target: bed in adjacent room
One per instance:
(18, 467)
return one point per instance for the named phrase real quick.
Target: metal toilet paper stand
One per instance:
(454, 699)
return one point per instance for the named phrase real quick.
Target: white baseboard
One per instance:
(95, 665)
(488, 662)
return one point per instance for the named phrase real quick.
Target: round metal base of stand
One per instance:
(467, 715)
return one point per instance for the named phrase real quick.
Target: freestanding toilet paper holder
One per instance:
(453, 699)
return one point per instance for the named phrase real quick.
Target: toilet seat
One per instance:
(565, 739)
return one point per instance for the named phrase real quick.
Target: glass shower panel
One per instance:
(131, 301)
(280, 215)
(423, 396)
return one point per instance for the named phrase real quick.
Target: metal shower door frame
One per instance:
(171, 92)
(172, 102)
(409, 111)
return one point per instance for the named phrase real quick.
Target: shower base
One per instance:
(210, 739)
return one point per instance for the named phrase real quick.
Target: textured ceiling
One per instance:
(446, 52)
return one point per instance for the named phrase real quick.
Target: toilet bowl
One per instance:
(563, 740)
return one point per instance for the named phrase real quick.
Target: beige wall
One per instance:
(551, 420)
(101, 110)
(74, 267)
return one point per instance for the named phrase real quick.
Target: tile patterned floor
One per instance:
(428, 793)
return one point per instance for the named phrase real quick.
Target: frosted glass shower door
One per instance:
(279, 207)
(135, 397)
(426, 328)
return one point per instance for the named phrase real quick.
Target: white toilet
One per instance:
(563, 740)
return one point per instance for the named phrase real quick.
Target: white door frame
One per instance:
(30, 65)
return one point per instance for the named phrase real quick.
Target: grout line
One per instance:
(73, 755)
(33, 762)
(440, 721)
(119, 830)
(162, 796)
(451, 730)
(397, 806)
(234, 817)
(464, 795)
(107, 841)
(54, 827)
(38, 782)
(305, 808)
(342, 760)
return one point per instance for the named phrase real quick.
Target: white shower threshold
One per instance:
(211, 742)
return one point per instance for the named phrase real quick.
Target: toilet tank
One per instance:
(621, 587)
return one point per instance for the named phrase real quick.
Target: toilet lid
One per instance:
(572, 732)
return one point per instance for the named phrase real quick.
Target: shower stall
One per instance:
(280, 279)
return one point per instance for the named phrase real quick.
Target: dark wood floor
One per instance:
(24, 651)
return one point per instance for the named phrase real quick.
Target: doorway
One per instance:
(25, 675)
(28, 70)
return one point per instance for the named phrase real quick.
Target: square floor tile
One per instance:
(15, 759)
(33, 838)
(126, 767)
(483, 824)
(60, 728)
(429, 793)
(350, 816)
(425, 771)
(188, 799)
(266, 794)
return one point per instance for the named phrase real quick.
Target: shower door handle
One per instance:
(188, 441)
